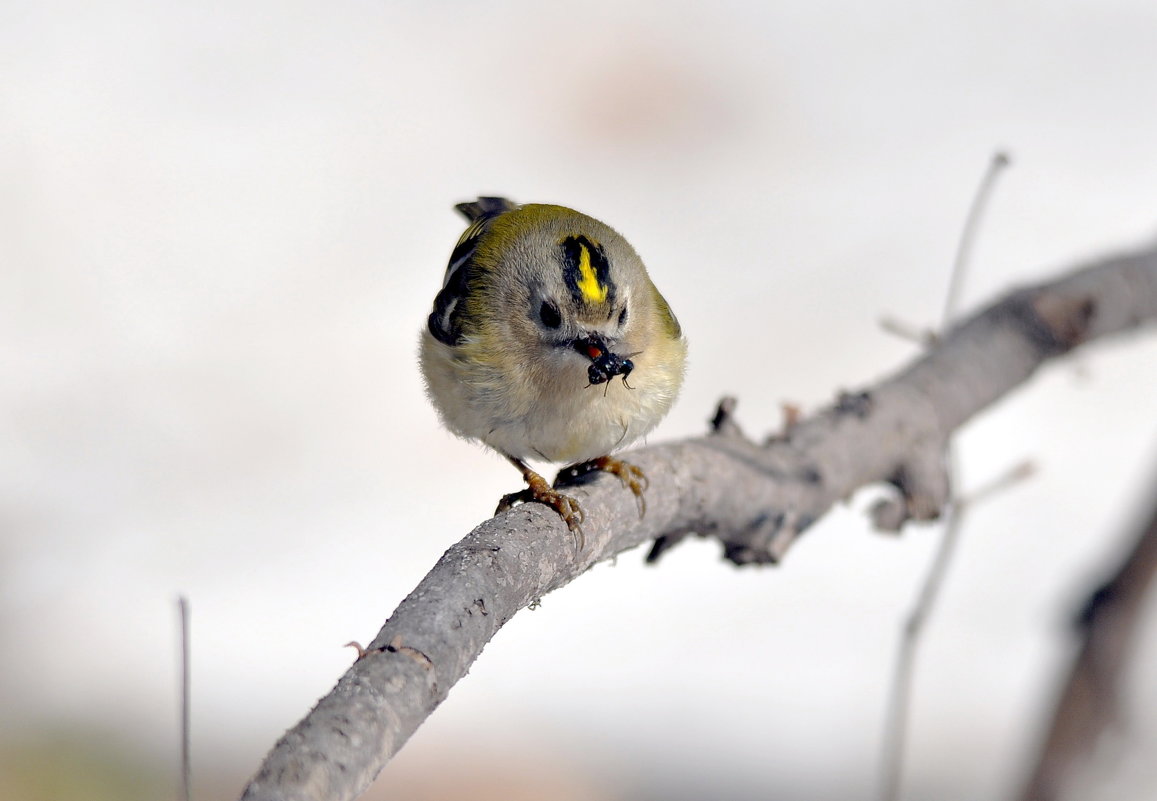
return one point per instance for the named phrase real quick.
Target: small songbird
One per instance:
(549, 342)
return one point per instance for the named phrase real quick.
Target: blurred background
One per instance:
(223, 227)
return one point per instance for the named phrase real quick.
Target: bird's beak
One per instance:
(605, 363)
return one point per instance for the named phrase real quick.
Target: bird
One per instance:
(549, 342)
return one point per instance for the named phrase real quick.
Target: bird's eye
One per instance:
(623, 317)
(549, 315)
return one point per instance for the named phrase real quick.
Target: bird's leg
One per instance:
(632, 477)
(539, 489)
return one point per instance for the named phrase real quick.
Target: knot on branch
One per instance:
(1053, 320)
(924, 490)
(767, 539)
(858, 404)
(723, 421)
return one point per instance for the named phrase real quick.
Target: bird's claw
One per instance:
(633, 477)
(566, 506)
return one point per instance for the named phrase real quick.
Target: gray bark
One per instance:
(1088, 702)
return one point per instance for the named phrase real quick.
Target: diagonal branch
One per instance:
(755, 498)
(1089, 701)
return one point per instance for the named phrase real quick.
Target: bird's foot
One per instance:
(541, 491)
(633, 478)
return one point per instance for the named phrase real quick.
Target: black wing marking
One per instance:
(445, 321)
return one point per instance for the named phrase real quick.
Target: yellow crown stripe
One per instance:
(588, 283)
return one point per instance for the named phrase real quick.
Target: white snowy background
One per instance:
(221, 228)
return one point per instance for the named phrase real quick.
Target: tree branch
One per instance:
(755, 498)
(1089, 701)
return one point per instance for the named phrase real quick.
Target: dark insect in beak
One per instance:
(605, 364)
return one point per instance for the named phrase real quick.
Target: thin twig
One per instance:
(902, 676)
(900, 693)
(996, 166)
(1014, 475)
(923, 337)
(900, 696)
(186, 769)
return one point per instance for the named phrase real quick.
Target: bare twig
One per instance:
(901, 690)
(1021, 471)
(996, 166)
(899, 699)
(1088, 703)
(900, 694)
(756, 499)
(186, 769)
(924, 337)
